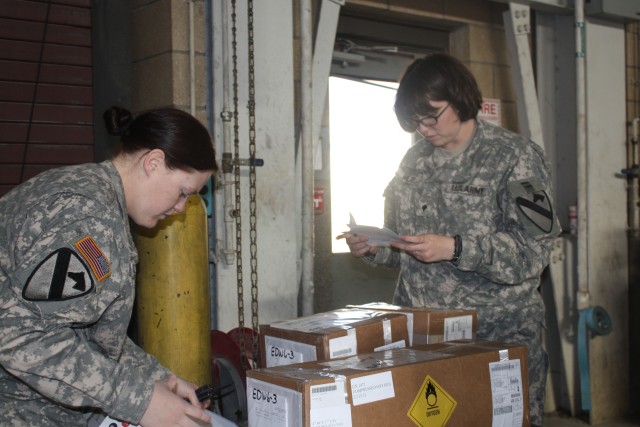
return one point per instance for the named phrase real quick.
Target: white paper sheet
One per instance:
(377, 236)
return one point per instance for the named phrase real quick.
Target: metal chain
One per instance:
(236, 175)
(252, 188)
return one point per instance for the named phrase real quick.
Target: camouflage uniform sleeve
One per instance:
(146, 367)
(526, 229)
(133, 400)
(149, 367)
(62, 365)
(48, 319)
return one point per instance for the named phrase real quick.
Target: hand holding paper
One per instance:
(377, 236)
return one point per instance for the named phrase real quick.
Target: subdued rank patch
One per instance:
(61, 276)
(96, 259)
(534, 205)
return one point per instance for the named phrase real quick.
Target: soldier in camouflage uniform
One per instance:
(67, 279)
(473, 205)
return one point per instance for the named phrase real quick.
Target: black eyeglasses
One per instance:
(430, 121)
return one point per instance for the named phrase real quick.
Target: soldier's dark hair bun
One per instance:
(185, 141)
(117, 120)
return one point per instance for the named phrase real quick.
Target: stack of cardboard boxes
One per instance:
(379, 365)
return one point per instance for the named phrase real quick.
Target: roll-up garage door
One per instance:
(46, 113)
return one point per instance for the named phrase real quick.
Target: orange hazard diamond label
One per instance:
(432, 406)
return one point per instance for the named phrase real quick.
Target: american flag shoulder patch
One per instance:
(96, 259)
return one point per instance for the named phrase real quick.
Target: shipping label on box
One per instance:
(371, 388)
(344, 346)
(281, 351)
(506, 390)
(328, 406)
(272, 406)
(458, 328)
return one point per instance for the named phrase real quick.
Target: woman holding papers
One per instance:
(472, 203)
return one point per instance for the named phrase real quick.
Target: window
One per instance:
(367, 145)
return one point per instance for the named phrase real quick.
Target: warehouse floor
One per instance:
(554, 420)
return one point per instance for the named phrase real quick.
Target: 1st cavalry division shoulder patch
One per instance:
(61, 276)
(534, 205)
(64, 275)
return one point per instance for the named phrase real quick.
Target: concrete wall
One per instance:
(162, 55)
(607, 262)
(632, 43)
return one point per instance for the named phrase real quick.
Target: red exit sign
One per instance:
(490, 111)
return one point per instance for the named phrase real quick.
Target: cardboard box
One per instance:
(432, 325)
(338, 333)
(458, 383)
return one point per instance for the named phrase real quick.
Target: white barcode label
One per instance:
(458, 328)
(506, 392)
(323, 389)
(329, 406)
(343, 346)
(328, 395)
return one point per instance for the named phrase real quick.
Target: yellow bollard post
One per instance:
(172, 306)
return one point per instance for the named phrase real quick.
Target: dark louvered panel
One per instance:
(65, 94)
(53, 12)
(20, 71)
(11, 153)
(60, 134)
(12, 29)
(64, 114)
(55, 154)
(14, 112)
(13, 132)
(47, 93)
(51, 54)
(10, 173)
(46, 87)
